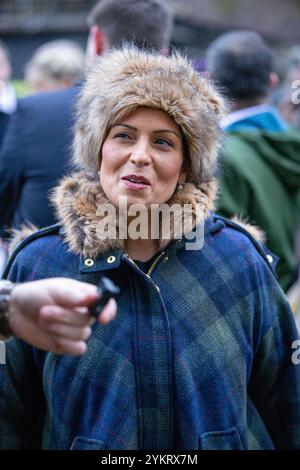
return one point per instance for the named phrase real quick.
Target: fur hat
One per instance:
(122, 80)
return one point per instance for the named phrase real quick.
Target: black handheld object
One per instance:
(106, 289)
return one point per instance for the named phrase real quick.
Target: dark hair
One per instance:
(240, 63)
(145, 23)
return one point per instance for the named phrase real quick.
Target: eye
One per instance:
(122, 136)
(164, 142)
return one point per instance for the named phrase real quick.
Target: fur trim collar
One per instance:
(79, 196)
(18, 235)
(255, 231)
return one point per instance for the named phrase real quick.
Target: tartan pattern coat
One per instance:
(198, 357)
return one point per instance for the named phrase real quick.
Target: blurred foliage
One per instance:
(226, 7)
(21, 88)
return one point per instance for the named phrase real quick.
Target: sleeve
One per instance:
(22, 401)
(11, 162)
(274, 385)
(234, 191)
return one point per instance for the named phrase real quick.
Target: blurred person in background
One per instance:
(8, 104)
(283, 99)
(292, 65)
(55, 65)
(260, 166)
(145, 23)
(8, 100)
(286, 97)
(36, 148)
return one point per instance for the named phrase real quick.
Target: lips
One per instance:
(137, 179)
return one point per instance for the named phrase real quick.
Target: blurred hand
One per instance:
(52, 314)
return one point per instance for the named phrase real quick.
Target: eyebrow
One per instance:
(124, 125)
(155, 132)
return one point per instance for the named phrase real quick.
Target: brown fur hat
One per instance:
(122, 80)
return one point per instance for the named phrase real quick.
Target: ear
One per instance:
(98, 40)
(182, 176)
(67, 83)
(273, 79)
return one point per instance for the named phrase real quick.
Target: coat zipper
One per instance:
(148, 274)
(153, 265)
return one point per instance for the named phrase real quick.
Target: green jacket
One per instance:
(260, 180)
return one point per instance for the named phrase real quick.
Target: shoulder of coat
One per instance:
(24, 237)
(254, 234)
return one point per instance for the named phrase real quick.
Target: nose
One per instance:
(141, 153)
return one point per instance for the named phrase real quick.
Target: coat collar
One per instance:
(79, 196)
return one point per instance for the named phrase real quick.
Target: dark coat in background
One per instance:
(34, 155)
(3, 123)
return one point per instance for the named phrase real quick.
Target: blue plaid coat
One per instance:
(199, 356)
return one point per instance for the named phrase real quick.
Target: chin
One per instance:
(137, 200)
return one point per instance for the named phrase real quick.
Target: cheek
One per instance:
(107, 175)
(107, 169)
(171, 171)
(112, 157)
(105, 156)
(109, 161)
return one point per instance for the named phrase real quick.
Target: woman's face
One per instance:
(142, 158)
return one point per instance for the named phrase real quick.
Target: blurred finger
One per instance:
(109, 312)
(67, 346)
(75, 333)
(70, 293)
(56, 314)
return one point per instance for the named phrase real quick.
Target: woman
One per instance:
(200, 353)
